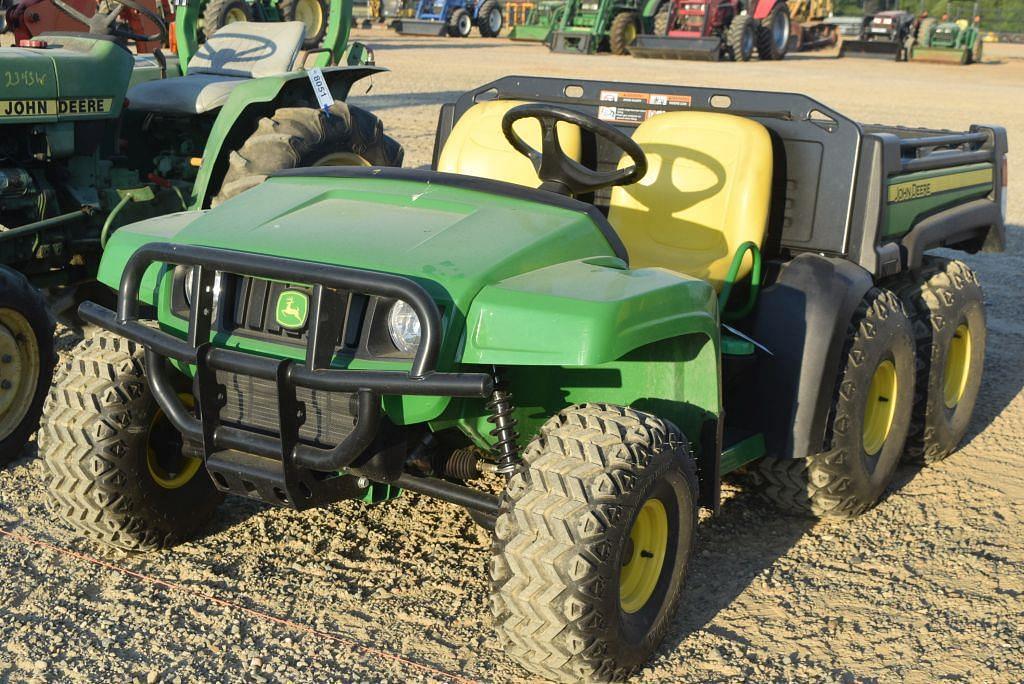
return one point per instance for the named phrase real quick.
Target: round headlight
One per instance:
(404, 326)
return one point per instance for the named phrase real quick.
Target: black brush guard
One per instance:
(279, 470)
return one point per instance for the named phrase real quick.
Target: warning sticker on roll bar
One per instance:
(625, 107)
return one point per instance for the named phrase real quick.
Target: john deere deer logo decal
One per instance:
(292, 309)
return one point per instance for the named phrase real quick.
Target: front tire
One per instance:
(26, 361)
(591, 546)
(741, 38)
(773, 33)
(489, 19)
(948, 313)
(623, 32)
(460, 24)
(117, 471)
(303, 136)
(869, 420)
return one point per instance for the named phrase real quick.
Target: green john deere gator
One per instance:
(602, 298)
(82, 154)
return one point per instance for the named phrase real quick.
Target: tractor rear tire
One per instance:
(773, 33)
(312, 13)
(869, 420)
(623, 32)
(661, 19)
(218, 13)
(592, 542)
(947, 309)
(303, 136)
(489, 19)
(116, 470)
(460, 24)
(26, 361)
(741, 37)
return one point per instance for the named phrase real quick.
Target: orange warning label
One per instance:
(618, 106)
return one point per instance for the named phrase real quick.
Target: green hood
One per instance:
(452, 240)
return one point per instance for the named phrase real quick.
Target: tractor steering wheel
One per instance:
(101, 24)
(560, 173)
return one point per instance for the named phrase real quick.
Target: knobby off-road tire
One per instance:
(769, 46)
(108, 453)
(568, 522)
(312, 13)
(460, 23)
(624, 29)
(218, 13)
(26, 361)
(852, 474)
(947, 310)
(741, 38)
(303, 136)
(489, 20)
(661, 21)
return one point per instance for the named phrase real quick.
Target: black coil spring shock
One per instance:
(506, 449)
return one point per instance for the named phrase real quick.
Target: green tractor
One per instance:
(535, 21)
(601, 299)
(604, 25)
(949, 40)
(82, 154)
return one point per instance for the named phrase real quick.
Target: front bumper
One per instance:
(276, 468)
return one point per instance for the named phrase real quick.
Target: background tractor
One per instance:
(716, 29)
(812, 29)
(312, 13)
(954, 38)
(534, 21)
(82, 154)
(28, 18)
(606, 25)
(885, 35)
(453, 18)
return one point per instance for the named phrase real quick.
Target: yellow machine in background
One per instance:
(811, 28)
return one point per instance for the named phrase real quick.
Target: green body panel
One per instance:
(80, 78)
(741, 453)
(914, 196)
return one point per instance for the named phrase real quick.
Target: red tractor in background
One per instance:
(716, 29)
(29, 18)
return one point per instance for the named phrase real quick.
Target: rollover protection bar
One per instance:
(325, 322)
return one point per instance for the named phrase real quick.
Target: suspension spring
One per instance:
(506, 448)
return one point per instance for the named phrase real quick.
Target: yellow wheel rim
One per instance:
(19, 369)
(630, 34)
(310, 13)
(649, 542)
(235, 14)
(958, 366)
(183, 469)
(881, 407)
(342, 159)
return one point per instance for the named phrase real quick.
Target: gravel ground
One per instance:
(926, 586)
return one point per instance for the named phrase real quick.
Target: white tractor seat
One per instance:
(236, 53)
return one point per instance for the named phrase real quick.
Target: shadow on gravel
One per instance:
(399, 44)
(732, 549)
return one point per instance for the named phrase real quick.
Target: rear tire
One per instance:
(773, 33)
(312, 13)
(218, 13)
(489, 19)
(741, 38)
(591, 546)
(26, 361)
(624, 29)
(116, 471)
(302, 136)
(947, 309)
(869, 420)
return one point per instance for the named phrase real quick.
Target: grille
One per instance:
(252, 404)
(255, 300)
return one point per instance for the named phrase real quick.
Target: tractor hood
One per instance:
(453, 234)
(72, 78)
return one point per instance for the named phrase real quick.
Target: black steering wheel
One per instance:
(101, 24)
(557, 170)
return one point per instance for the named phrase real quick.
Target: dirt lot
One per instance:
(927, 586)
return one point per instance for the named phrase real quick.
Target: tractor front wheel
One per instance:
(460, 23)
(773, 33)
(623, 32)
(312, 13)
(117, 470)
(869, 420)
(302, 136)
(218, 13)
(26, 361)
(489, 19)
(948, 311)
(741, 38)
(592, 542)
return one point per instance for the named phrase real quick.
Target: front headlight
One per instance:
(404, 326)
(190, 276)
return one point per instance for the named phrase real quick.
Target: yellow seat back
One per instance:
(706, 192)
(477, 147)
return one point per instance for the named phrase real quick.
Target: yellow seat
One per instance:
(477, 147)
(706, 192)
